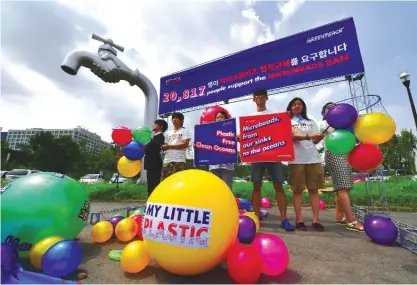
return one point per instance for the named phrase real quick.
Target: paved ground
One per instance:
(333, 256)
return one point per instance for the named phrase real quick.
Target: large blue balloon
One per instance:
(62, 258)
(341, 116)
(134, 150)
(244, 205)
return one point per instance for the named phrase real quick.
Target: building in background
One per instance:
(94, 143)
(4, 136)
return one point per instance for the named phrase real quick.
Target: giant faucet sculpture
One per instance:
(107, 66)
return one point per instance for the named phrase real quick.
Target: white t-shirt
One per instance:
(305, 151)
(322, 127)
(176, 137)
(265, 112)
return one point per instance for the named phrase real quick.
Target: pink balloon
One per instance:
(265, 202)
(273, 252)
(322, 205)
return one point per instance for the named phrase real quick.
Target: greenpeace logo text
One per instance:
(173, 80)
(324, 36)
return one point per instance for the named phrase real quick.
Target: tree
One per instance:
(400, 152)
(5, 152)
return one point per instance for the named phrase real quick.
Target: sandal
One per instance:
(352, 227)
(341, 221)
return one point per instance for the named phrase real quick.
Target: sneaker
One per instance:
(301, 226)
(287, 226)
(318, 227)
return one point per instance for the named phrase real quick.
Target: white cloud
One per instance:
(160, 37)
(48, 107)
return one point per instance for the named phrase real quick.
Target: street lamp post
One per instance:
(405, 78)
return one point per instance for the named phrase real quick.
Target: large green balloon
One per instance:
(340, 142)
(42, 205)
(142, 135)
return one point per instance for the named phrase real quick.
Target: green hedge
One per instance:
(401, 193)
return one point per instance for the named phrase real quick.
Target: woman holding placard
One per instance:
(342, 178)
(306, 171)
(223, 171)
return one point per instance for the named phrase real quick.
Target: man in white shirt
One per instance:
(274, 168)
(177, 141)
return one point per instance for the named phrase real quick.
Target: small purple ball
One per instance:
(380, 230)
(247, 229)
(114, 221)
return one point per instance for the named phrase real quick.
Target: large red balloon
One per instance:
(365, 157)
(209, 115)
(138, 220)
(121, 135)
(244, 265)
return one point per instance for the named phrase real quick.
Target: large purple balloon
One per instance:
(380, 230)
(341, 116)
(62, 258)
(247, 229)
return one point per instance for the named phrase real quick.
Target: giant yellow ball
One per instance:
(190, 221)
(374, 128)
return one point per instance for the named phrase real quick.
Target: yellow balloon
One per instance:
(129, 168)
(37, 252)
(126, 229)
(374, 128)
(254, 218)
(102, 231)
(190, 221)
(135, 257)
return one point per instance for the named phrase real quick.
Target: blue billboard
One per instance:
(325, 52)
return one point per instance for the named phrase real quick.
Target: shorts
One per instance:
(170, 168)
(257, 171)
(306, 176)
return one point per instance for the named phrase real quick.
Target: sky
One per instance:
(162, 37)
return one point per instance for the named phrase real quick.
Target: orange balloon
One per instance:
(126, 229)
(102, 231)
(135, 257)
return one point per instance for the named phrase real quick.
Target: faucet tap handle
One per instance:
(107, 42)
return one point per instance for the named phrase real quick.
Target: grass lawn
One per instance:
(401, 193)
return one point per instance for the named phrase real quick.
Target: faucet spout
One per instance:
(75, 59)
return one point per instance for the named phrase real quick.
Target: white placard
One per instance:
(177, 225)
